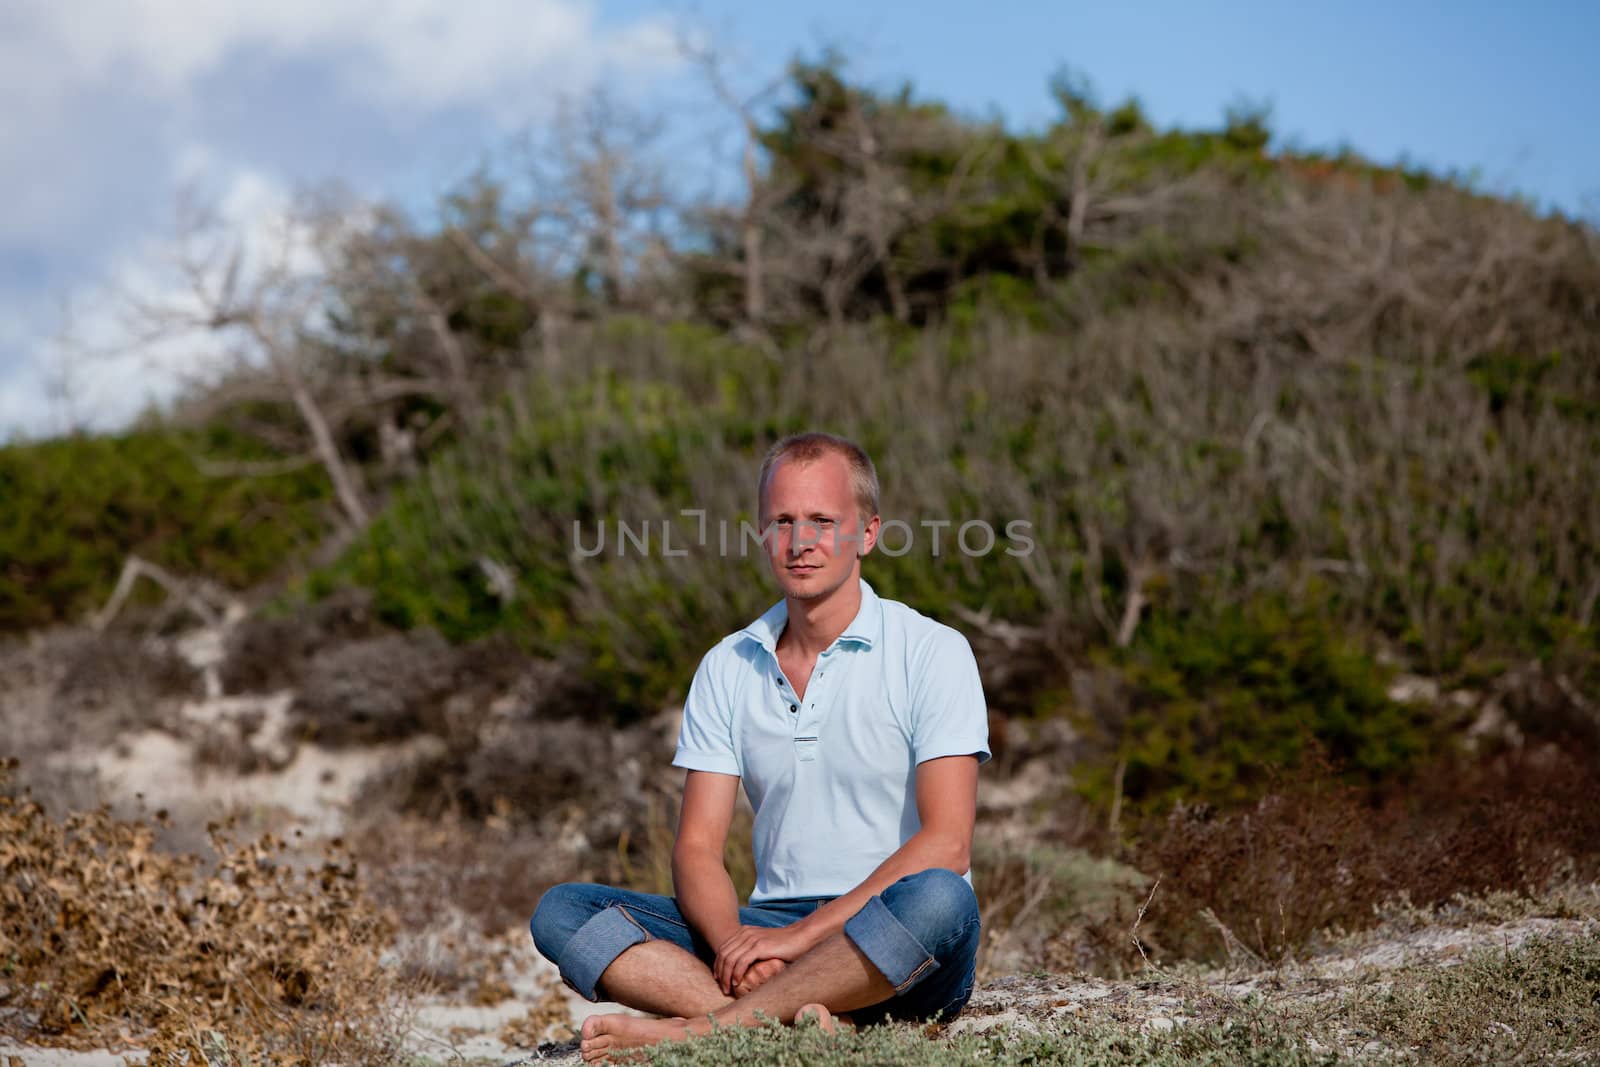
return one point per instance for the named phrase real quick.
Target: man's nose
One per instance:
(804, 536)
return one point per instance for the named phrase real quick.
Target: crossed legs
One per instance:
(909, 951)
(836, 976)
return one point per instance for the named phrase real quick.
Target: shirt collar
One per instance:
(864, 628)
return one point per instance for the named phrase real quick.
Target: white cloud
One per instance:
(421, 53)
(106, 365)
(113, 105)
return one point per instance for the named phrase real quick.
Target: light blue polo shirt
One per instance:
(832, 778)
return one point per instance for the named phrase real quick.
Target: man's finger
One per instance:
(727, 973)
(742, 963)
(724, 957)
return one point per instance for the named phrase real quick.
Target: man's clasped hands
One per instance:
(752, 955)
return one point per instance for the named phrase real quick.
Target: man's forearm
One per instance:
(705, 895)
(922, 851)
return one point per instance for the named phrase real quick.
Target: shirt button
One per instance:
(794, 707)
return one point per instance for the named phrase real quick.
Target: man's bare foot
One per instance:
(828, 1022)
(611, 1036)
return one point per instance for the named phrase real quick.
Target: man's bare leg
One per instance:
(661, 978)
(835, 974)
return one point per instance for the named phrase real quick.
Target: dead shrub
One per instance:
(531, 767)
(66, 691)
(98, 669)
(111, 942)
(379, 689)
(524, 769)
(86, 687)
(1317, 853)
(516, 770)
(492, 876)
(264, 654)
(643, 857)
(272, 652)
(1058, 909)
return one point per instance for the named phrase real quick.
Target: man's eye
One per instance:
(824, 522)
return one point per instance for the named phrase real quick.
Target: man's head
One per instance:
(818, 496)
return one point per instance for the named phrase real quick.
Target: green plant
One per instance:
(76, 507)
(1221, 701)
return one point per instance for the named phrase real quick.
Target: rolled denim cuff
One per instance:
(595, 946)
(893, 950)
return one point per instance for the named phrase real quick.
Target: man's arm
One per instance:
(700, 879)
(947, 803)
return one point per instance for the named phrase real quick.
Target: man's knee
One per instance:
(937, 906)
(560, 912)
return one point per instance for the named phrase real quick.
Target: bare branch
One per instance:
(134, 569)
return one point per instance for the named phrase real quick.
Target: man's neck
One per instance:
(816, 622)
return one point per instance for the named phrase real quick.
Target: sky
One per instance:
(115, 107)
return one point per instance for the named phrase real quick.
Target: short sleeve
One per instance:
(949, 713)
(705, 740)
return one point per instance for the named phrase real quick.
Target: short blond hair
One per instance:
(813, 445)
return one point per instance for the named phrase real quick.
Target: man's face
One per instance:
(816, 531)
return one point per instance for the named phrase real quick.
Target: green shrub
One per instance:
(1219, 701)
(74, 508)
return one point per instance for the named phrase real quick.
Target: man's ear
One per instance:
(869, 537)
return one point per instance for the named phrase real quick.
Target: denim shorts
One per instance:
(921, 933)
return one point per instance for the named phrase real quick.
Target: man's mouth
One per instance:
(804, 569)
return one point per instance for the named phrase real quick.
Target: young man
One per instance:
(857, 726)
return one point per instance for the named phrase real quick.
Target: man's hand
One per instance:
(753, 945)
(757, 976)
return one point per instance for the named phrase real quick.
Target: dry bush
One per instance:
(271, 652)
(1055, 909)
(65, 691)
(266, 653)
(525, 771)
(1317, 853)
(100, 669)
(379, 689)
(492, 876)
(533, 767)
(517, 805)
(548, 1019)
(1167, 460)
(95, 686)
(109, 941)
(643, 858)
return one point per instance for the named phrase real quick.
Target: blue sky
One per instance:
(1512, 91)
(114, 105)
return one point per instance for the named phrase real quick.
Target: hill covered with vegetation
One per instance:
(1280, 425)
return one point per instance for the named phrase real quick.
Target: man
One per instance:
(857, 726)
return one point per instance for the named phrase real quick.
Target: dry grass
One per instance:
(246, 957)
(491, 875)
(644, 861)
(1316, 853)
